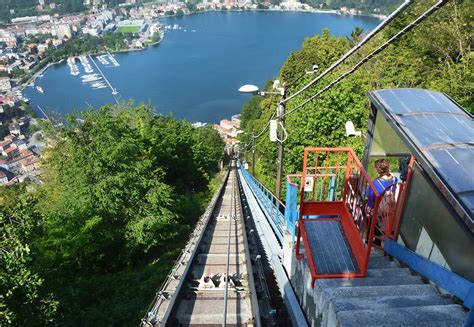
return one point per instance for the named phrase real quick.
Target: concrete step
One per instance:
(388, 272)
(369, 281)
(382, 263)
(378, 291)
(433, 315)
(376, 253)
(400, 301)
(325, 296)
(362, 303)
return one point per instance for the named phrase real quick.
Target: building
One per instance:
(5, 84)
(236, 121)
(29, 164)
(62, 31)
(227, 124)
(3, 178)
(14, 129)
(5, 144)
(10, 152)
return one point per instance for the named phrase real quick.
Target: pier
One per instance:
(114, 91)
(42, 111)
(113, 61)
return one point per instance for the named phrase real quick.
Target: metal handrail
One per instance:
(277, 223)
(347, 188)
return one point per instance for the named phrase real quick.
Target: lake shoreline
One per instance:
(313, 11)
(205, 66)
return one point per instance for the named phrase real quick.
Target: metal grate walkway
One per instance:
(330, 248)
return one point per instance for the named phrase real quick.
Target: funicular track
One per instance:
(203, 295)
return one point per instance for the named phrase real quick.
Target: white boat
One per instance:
(103, 60)
(97, 84)
(40, 89)
(112, 60)
(90, 78)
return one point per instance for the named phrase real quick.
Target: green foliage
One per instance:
(436, 55)
(122, 189)
(23, 300)
(110, 181)
(29, 8)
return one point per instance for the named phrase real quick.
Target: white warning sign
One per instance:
(308, 184)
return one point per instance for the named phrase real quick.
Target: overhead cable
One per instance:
(406, 29)
(369, 36)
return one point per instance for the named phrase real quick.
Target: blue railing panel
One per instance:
(267, 201)
(291, 208)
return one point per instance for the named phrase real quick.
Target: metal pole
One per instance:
(280, 122)
(253, 153)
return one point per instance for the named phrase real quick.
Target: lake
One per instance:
(196, 70)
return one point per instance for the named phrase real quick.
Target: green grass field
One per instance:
(128, 29)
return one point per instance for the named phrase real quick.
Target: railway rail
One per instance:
(212, 283)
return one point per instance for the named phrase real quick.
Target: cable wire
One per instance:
(402, 32)
(369, 36)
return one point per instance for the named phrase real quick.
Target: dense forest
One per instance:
(122, 189)
(435, 55)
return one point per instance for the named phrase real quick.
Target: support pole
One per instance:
(253, 153)
(281, 136)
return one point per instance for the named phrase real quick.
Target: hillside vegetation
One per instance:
(122, 189)
(436, 55)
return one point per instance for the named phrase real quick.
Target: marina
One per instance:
(114, 91)
(96, 81)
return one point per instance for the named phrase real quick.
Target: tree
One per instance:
(23, 300)
(107, 201)
(122, 189)
(111, 182)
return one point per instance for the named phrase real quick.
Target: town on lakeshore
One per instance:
(30, 44)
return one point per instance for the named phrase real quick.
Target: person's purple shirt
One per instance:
(380, 185)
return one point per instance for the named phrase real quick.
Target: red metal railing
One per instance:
(396, 213)
(340, 190)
